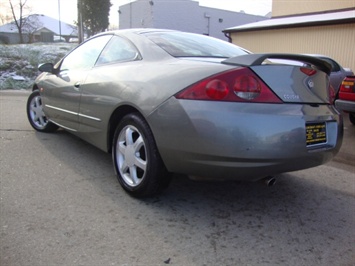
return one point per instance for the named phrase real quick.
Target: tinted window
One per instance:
(118, 50)
(85, 56)
(181, 44)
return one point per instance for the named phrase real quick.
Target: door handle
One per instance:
(77, 85)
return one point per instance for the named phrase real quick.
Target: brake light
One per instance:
(347, 89)
(308, 71)
(217, 89)
(348, 85)
(237, 85)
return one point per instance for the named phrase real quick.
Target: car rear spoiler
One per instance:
(258, 59)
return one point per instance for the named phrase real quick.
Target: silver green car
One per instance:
(166, 102)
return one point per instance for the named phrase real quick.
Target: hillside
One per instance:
(18, 63)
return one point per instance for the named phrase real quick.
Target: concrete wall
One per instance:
(178, 15)
(222, 19)
(136, 15)
(183, 15)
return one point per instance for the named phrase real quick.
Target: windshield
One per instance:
(182, 44)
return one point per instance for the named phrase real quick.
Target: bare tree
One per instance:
(20, 21)
(31, 26)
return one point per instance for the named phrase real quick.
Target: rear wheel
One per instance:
(139, 167)
(36, 116)
(352, 118)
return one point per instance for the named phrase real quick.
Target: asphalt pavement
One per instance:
(347, 152)
(60, 204)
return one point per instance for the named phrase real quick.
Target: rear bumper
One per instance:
(241, 140)
(348, 106)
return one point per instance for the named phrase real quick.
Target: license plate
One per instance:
(316, 133)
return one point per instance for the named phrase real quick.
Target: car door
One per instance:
(104, 88)
(62, 91)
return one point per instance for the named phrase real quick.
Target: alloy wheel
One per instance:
(131, 156)
(36, 113)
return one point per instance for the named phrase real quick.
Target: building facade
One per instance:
(183, 15)
(282, 8)
(38, 28)
(307, 27)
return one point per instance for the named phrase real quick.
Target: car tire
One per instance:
(36, 116)
(352, 118)
(138, 165)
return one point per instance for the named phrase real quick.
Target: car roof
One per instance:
(139, 31)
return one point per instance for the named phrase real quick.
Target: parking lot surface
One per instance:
(60, 204)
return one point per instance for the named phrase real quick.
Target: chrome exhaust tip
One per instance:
(269, 181)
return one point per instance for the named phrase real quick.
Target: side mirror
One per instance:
(47, 67)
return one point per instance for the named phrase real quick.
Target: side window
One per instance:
(118, 50)
(85, 56)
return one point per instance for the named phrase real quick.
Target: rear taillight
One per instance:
(217, 89)
(347, 89)
(348, 85)
(247, 87)
(237, 85)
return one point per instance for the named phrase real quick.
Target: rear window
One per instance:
(182, 44)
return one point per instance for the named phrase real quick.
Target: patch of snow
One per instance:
(18, 63)
(18, 78)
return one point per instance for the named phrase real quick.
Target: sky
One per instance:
(68, 8)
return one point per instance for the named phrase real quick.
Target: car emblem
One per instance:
(310, 83)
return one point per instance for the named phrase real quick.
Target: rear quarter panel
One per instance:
(139, 84)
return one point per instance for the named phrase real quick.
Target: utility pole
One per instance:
(60, 23)
(80, 22)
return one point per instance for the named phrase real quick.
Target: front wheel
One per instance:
(35, 114)
(139, 167)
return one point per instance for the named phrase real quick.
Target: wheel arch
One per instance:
(115, 118)
(35, 87)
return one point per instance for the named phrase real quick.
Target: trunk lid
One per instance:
(304, 79)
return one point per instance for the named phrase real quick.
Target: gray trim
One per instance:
(74, 113)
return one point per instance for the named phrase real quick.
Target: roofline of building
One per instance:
(309, 24)
(62, 23)
(262, 25)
